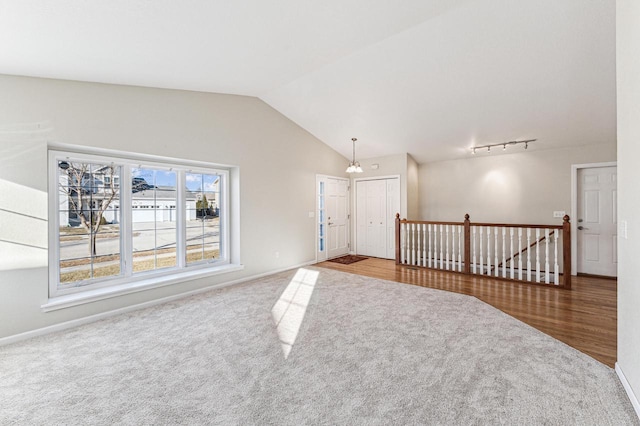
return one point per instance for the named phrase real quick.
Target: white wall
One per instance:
(413, 190)
(523, 187)
(278, 163)
(628, 78)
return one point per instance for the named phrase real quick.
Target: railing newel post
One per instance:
(566, 252)
(467, 244)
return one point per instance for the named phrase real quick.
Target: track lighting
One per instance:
(504, 145)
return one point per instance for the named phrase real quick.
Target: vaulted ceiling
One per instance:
(427, 77)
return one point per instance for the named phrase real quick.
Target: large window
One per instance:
(118, 220)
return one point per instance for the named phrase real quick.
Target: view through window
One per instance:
(117, 220)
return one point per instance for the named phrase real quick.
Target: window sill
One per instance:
(89, 296)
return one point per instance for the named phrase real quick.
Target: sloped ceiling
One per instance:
(427, 77)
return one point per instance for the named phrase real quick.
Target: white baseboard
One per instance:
(627, 387)
(97, 317)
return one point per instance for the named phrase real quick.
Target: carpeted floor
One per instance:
(311, 346)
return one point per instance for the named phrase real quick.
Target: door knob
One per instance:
(581, 228)
(330, 223)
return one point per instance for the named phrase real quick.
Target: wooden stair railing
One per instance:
(460, 247)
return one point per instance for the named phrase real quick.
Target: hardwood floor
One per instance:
(584, 317)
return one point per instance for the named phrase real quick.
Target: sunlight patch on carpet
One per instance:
(288, 312)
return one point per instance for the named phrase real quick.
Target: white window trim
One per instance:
(114, 286)
(96, 294)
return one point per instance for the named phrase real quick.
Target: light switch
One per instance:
(559, 214)
(623, 229)
(312, 214)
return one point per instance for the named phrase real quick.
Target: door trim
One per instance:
(320, 177)
(574, 207)
(354, 199)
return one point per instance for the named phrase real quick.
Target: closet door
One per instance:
(377, 202)
(361, 218)
(376, 206)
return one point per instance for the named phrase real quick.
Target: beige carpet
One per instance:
(311, 346)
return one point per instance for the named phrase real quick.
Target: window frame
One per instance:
(127, 279)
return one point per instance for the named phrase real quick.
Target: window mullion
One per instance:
(225, 226)
(126, 226)
(181, 226)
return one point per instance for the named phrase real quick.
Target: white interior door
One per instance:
(361, 218)
(376, 218)
(597, 221)
(377, 202)
(337, 199)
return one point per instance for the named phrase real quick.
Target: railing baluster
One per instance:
(446, 251)
(408, 246)
(511, 275)
(537, 254)
(413, 243)
(402, 226)
(546, 256)
(495, 250)
(418, 251)
(453, 247)
(436, 250)
(460, 249)
(473, 247)
(424, 245)
(504, 257)
(481, 259)
(429, 238)
(488, 250)
(519, 253)
(556, 267)
(441, 247)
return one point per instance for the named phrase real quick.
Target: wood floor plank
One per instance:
(584, 317)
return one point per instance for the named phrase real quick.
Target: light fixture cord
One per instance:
(354, 150)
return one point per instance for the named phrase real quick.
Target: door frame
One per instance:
(574, 207)
(354, 200)
(316, 222)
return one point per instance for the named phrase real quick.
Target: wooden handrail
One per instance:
(566, 243)
(507, 225)
(502, 225)
(430, 222)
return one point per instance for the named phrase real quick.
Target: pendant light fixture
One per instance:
(354, 166)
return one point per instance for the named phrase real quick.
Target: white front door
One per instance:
(597, 221)
(337, 199)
